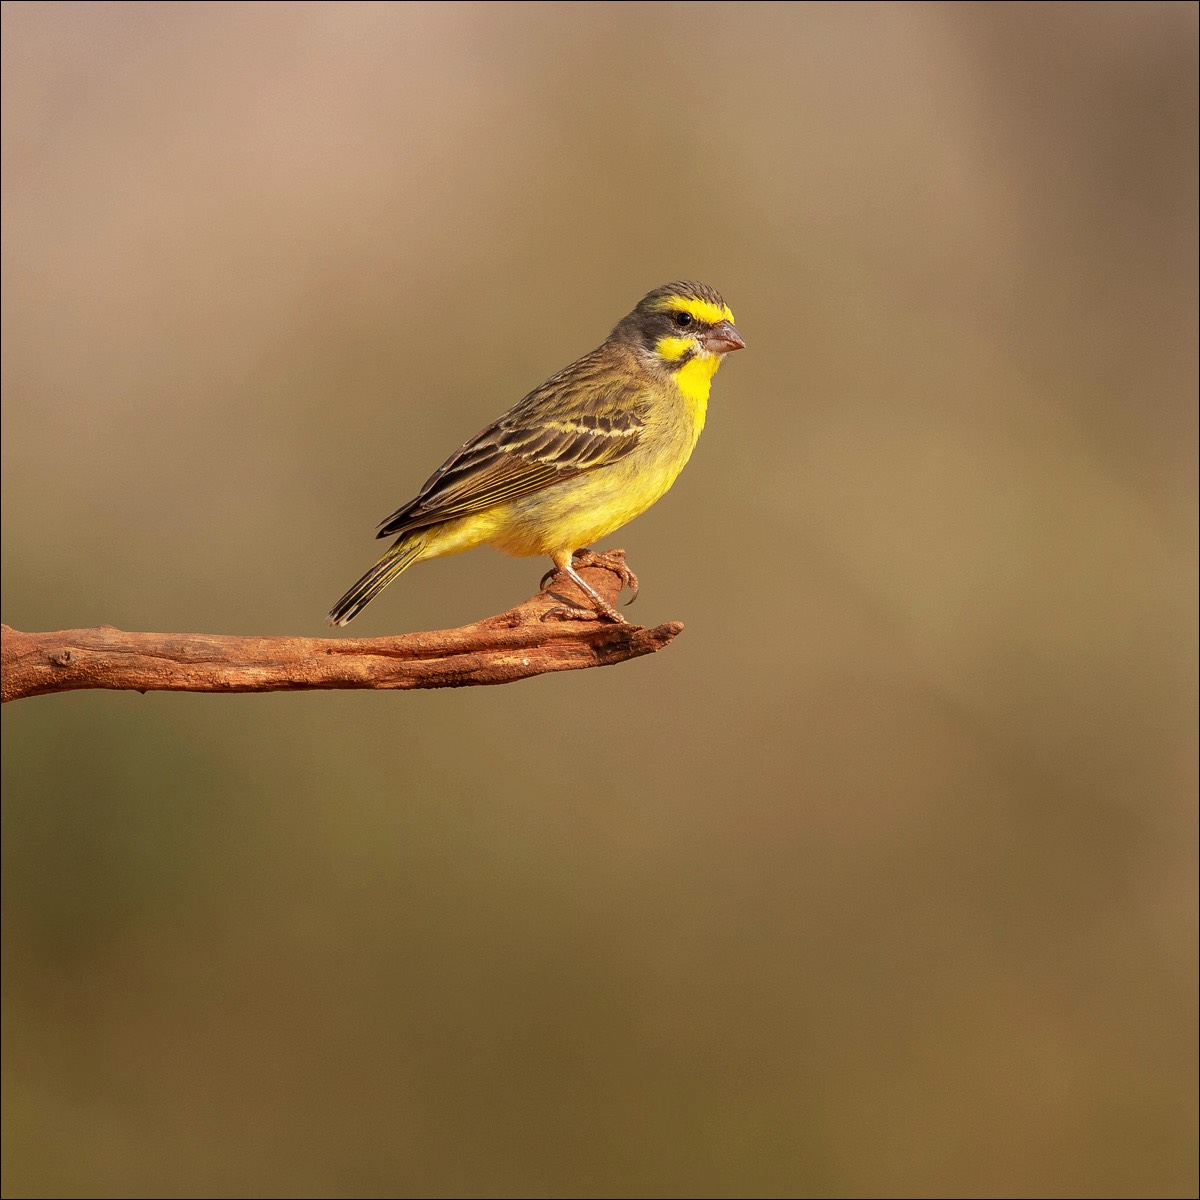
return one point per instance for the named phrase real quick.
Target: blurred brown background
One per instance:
(880, 880)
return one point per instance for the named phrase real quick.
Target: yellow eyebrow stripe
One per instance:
(702, 310)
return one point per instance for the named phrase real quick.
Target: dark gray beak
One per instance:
(721, 339)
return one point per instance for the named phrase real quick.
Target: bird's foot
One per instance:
(569, 612)
(612, 560)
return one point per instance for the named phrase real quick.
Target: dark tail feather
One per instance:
(400, 556)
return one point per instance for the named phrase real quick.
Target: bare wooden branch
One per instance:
(514, 645)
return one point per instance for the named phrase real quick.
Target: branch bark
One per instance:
(501, 649)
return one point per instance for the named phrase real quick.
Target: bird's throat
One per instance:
(694, 380)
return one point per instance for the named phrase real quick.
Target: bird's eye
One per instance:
(683, 319)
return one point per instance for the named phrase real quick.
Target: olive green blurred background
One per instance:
(881, 879)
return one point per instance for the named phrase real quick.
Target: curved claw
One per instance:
(566, 612)
(630, 580)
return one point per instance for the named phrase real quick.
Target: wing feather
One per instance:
(576, 421)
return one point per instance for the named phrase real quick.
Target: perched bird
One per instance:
(578, 457)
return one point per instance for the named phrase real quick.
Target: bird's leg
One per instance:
(613, 561)
(563, 566)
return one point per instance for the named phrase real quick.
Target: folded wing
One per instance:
(531, 448)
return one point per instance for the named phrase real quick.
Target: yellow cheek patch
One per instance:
(672, 348)
(702, 310)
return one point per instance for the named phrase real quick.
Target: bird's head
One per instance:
(680, 324)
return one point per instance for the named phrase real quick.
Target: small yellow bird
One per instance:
(578, 457)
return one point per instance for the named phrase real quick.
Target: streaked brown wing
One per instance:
(528, 449)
